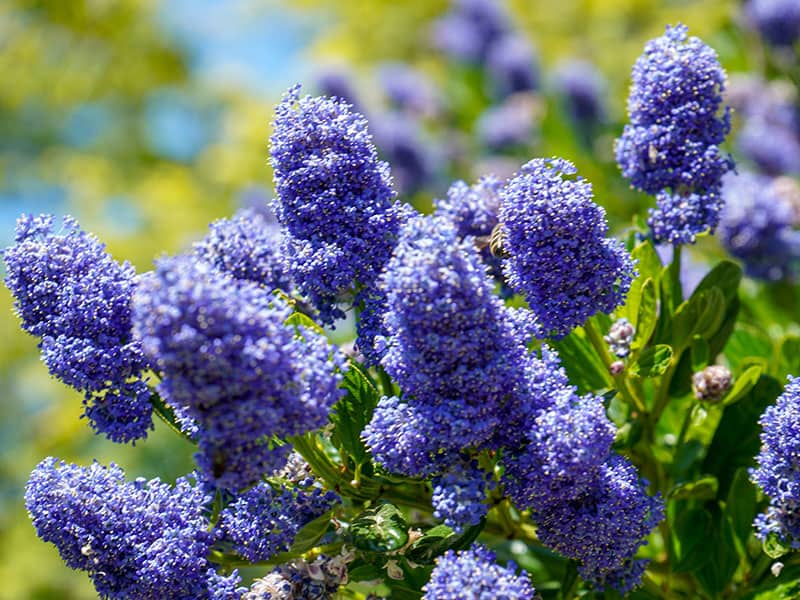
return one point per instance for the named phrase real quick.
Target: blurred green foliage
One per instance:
(69, 65)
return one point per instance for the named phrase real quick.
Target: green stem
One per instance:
(687, 420)
(620, 383)
(676, 289)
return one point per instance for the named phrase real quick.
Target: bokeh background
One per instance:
(147, 119)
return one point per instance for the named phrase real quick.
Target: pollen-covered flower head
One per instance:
(232, 364)
(559, 257)
(671, 144)
(334, 199)
(73, 295)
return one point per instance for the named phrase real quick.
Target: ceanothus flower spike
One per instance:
(231, 364)
(334, 199)
(73, 295)
(670, 147)
(559, 257)
(139, 539)
(474, 574)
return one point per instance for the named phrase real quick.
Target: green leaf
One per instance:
(691, 531)
(743, 384)
(439, 540)
(352, 413)
(740, 508)
(653, 361)
(704, 488)
(746, 342)
(310, 535)
(726, 276)
(300, 320)
(648, 264)
(785, 591)
(702, 315)
(365, 572)
(584, 368)
(379, 529)
(774, 546)
(628, 435)
(716, 574)
(699, 351)
(648, 314)
(788, 362)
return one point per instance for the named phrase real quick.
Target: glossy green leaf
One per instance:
(352, 413)
(704, 488)
(726, 276)
(298, 319)
(774, 546)
(743, 384)
(653, 361)
(648, 314)
(379, 529)
(699, 349)
(691, 531)
(583, 366)
(740, 507)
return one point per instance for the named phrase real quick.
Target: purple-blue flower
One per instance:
(459, 495)
(778, 471)
(566, 445)
(470, 28)
(450, 343)
(558, 255)
(512, 65)
(246, 246)
(265, 520)
(603, 525)
(778, 21)
(140, 539)
(474, 210)
(474, 574)
(671, 145)
(229, 361)
(70, 292)
(583, 88)
(334, 199)
(757, 227)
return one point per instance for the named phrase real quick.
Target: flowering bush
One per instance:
(504, 424)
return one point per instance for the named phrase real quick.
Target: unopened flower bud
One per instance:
(616, 367)
(620, 336)
(711, 383)
(776, 568)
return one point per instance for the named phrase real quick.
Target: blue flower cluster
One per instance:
(670, 148)
(779, 466)
(604, 525)
(757, 227)
(450, 347)
(265, 520)
(559, 257)
(770, 134)
(459, 495)
(474, 574)
(778, 21)
(587, 502)
(334, 200)
(583, 88)
(474, 210)
(229, 361)
(139, 539)
(248, 247)
(70, 292)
